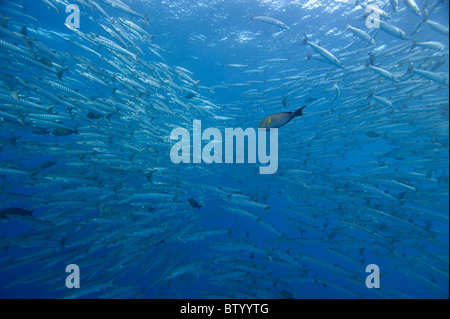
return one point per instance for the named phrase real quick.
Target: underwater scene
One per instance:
(224, 149)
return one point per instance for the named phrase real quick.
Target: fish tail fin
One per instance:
(28, 42)
(425, 15)
(50, 107)
(424, 11)
(413, 44)
(5, 21)
(15, 95)
(33, 173)
(348, 24)
(60, 73)
(299, 112)
(267, 209)
(372, 60)
(305, 40)
(308, 56)
(24, 31)
(410, 69)
(21, 118)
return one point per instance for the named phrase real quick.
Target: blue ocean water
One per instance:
(362, 177)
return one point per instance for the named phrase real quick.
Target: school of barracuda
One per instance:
(88, 170)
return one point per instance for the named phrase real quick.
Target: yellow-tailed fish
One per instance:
(280, 119)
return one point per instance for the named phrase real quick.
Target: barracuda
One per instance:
(433, 45)
(18, 101)
(393, 30)
(134, 26)
(386, 74)
(32, 61)
(114, 46)
(435, 77)
(438, 27)
(67, 89)
(324, 53)
(117, 4)
(271, 21)
(14, 48)
(413, 7)
(361, 34)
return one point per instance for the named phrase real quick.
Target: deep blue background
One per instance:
(204, 36)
